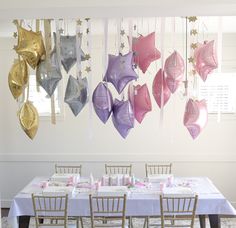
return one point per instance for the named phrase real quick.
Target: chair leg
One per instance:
(145, 221)
(77, 222)
(130, 222)
(81, 221)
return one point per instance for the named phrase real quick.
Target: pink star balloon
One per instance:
(160, 90)
(174, 70)
(140, 99)
(205, 59)
(195, 116)
(145, 51)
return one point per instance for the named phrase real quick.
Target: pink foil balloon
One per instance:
(195, 116)
(174, 70)
(145, 51)
(140, 99)
(205, 59)
(159, 89)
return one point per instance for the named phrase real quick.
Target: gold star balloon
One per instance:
(18, 78)
(30, 46)
(29, 119)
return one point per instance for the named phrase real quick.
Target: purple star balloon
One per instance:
(102, 102)
(123, 117)
(120, 71)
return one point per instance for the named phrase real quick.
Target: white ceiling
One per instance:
(10, 9)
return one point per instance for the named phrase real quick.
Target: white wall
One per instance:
(212, 154)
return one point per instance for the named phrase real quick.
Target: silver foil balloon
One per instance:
(102, 102)
(123, 117)
(49, 79)
(76, 95)
(68, 51)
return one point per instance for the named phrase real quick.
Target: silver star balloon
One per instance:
(49, 79)
(68, 51)
(76, 95)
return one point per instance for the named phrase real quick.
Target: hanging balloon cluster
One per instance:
(203, 61)
(30, 50)
(120, 70)
(47, 62)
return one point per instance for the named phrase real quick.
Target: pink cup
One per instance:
(162, 186)
(43, 184)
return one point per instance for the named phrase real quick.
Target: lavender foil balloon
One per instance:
(123, 117)
(102, 102)
(120, 71)
(76, 95)
(49, 79)
(68, 51)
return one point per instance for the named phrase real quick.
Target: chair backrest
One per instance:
(50, 207)
(158, 169)
(76, 169)
(178, 211)
(118, 169)
(107, 208)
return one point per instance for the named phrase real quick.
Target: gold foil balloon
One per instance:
(29, 119)
(30, 46)
(18, 78)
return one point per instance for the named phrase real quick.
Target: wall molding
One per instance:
(115, 157)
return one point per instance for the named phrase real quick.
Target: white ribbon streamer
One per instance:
(105, 57)
(58, 49)
(90, 81)
(162, 66)
(219, 48)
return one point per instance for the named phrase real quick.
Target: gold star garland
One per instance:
(79, 34)
(193, 44)
(122, 35)
(87, 56)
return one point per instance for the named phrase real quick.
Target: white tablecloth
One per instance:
(211, 201)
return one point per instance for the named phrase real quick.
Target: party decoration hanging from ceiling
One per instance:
(30, 45)
(29, 119)
(68, 51)
(120, 71)
(174, 71)
(160, 89)
(18, 78)
(102, 102)
(205, 59)
(76, 95)
(140, 100)
(123, 117)
(48, 77)
(145, 51)
(195, 116)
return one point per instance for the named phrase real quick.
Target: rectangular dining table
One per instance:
(140, 203)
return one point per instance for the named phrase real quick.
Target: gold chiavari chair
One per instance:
(152, 169)
(178, 211)
(71, 169)
(50, 208)
(105, 209)
(76, 169)
(118, 169)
